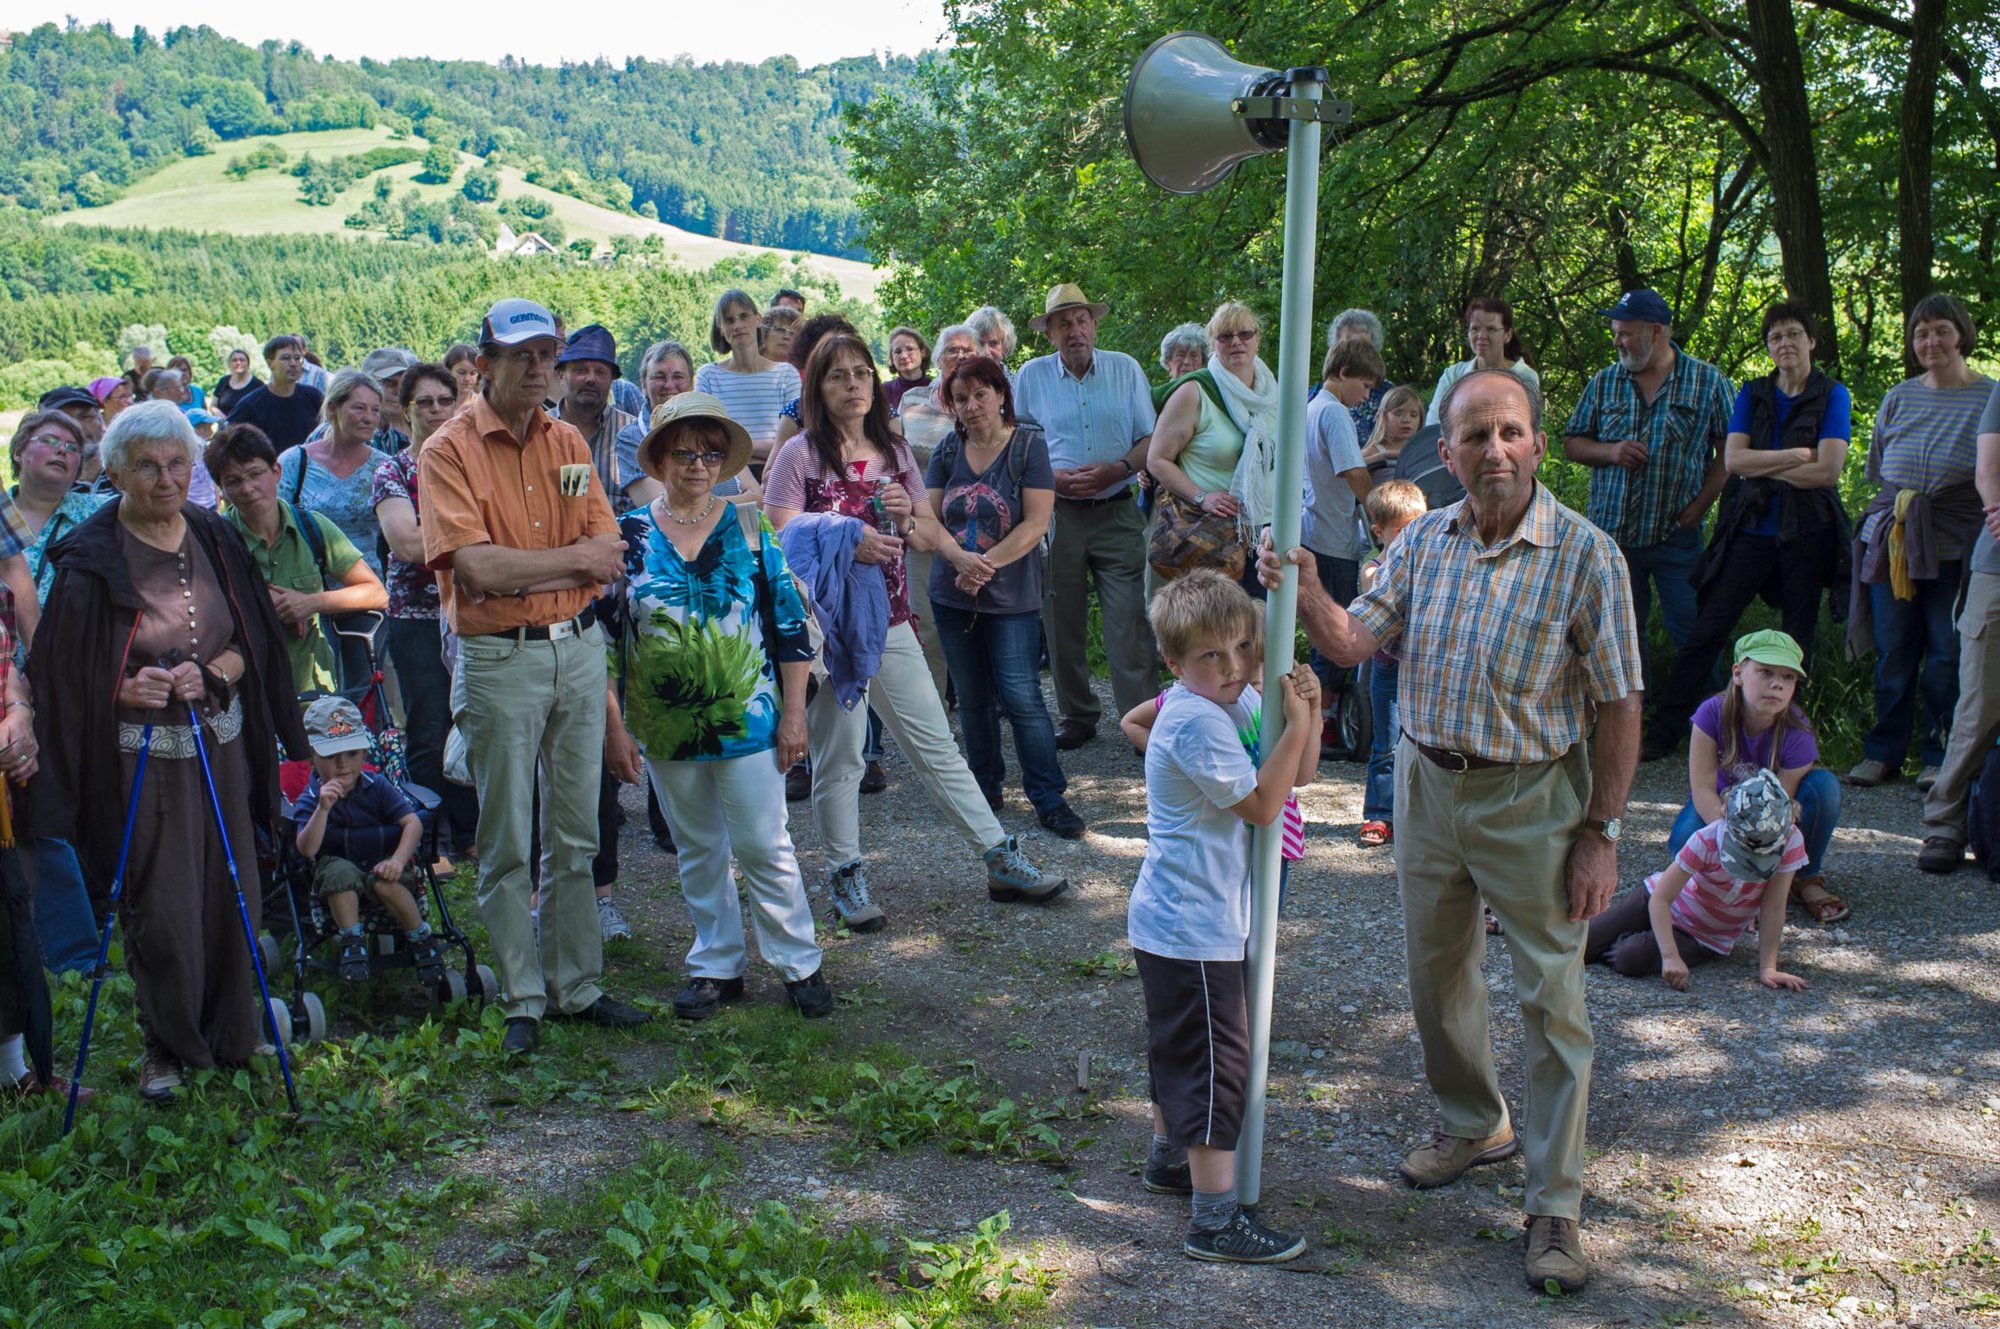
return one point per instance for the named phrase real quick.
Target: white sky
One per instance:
(815, 31)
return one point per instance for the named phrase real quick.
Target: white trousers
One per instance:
(737, 802)
(904, 696)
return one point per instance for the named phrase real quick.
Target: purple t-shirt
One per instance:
(1753, 751)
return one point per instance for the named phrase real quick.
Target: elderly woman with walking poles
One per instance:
(158, 614)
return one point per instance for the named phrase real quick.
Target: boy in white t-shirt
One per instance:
(1189, 919)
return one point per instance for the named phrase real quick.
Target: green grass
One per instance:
(195, 194)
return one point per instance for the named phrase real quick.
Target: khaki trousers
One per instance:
(1975, 721)
(527, 707)
(1103, 543)
(1503, 835)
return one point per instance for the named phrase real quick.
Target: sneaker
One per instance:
(159, 1076)
(1172, 1180)
(1062, 820)
(798, 783)
(1941, 854)
(611, 924)
(1869, 772)
(1555, 1253)
(852, 903)
(874, 780)
(1927, 777)
(1244, 1241)
(354, 958)
(1010, 876)
(811, 995)
(1446, 1158)
(428, 956)
(700, 998)
(607, 1011)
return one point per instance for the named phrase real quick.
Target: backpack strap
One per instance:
(314, 537)
(299, 476)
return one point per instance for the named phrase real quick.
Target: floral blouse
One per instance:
(688, 640)
(348, 504)
(413, 589)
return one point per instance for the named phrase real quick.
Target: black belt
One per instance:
(1458, 763)
(1122, 496)
(581, 624)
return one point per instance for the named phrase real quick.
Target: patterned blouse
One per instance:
(413, 589)
(348, 504)
(689, 643)
(796, 478)
(69, 514)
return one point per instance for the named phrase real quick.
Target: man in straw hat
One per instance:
(1096, 409)
(520, 533)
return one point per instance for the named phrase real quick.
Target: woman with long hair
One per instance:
(1489, 332)
(752, 387)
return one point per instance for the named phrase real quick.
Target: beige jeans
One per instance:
(1976, 721)
(1503, 835)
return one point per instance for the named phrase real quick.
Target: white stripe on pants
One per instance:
(902, 694)
(737, 801)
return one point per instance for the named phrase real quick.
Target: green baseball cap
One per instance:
(1772, 647)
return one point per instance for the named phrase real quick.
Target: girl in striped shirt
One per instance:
(1729, 874)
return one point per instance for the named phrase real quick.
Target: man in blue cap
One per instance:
(588, 366)
(1650, 426)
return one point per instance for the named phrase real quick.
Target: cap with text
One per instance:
(513, 321)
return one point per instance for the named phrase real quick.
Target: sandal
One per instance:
(1375, 834)
(354, 966)
(1811, 895)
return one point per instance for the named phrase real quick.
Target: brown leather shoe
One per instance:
(1073, 734)
(1446, 1158)
(1555, 1254)
(1940, 854)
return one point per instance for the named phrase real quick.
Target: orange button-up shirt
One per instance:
(481, 485)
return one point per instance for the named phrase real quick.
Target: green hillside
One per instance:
(197, 194)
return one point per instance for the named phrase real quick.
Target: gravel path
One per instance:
(1755, 1157)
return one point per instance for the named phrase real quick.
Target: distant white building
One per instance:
(509, 245)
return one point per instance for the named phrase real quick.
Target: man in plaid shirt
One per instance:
(1519, 698)
(1651, 428)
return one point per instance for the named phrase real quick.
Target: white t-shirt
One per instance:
(1192, 899)
(1330, 526)
(1520, 369)
(754, 401)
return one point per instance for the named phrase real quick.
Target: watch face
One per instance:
(1614, 828)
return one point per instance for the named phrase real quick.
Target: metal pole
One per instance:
(1281, 613)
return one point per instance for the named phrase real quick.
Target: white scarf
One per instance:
(1254, 410)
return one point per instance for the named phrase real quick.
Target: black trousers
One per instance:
(1790, 574)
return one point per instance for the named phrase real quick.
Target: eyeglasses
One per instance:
(1243, 334)
(432, 403)
(57, 443)
(683, 457)
(151, 471)
(842, 377)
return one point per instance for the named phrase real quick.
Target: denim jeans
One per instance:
(64, 922)
(1819, 816)
(1668, 568)
(415, 645)
(993, 661)
(1916, 652)
(1378, 796)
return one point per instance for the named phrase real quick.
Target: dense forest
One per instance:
(1551, 152)
(744, 152)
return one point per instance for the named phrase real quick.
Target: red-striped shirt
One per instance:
(1715, 908)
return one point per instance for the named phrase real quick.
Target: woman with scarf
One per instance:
(157, 616)
(1211, 456)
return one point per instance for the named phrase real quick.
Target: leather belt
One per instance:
(1124, 495)
(1458, 763)
(569, 627)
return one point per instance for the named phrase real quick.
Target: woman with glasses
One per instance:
(711, 653)
(156, 604)
(48, 453)
(1490, 335)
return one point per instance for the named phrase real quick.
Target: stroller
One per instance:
(290, 900)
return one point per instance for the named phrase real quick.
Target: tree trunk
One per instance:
(1913, 177)
(1794, 175)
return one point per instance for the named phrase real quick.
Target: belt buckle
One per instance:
(564, 630)
(1464, 766)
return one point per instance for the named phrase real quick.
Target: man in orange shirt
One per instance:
(520, 534)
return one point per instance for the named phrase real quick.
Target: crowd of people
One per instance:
(726, 581)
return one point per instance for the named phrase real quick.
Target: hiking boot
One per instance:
(1174, 1179)
(1062, 820)
(1073, 734)
(523, 1033)
(159, 1076)
(1010, 876)
(852, 903)
(874, 780)
(1869, 772)
(1941, 854)
(428, 956)
(700, 998)
(354, 958)
(1445, 1159)
(611, 924)
(607, 1011)
(1555, 1253)
(1243, 1241)
(798, 782)
(811, 995)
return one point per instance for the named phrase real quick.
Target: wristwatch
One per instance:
(1610, 829)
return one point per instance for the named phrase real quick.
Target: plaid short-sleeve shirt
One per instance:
(1504, 646)
(1681, 428)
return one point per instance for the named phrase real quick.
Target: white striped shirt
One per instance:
(752, 400)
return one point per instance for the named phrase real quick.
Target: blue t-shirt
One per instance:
(1838, 422)
(362, 828)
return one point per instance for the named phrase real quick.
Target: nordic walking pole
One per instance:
(242, 908)
(104, 941)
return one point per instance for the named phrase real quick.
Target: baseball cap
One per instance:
(334, 726)
(513, 321)
(593, 341)
(1771, 647)
(1641, 306)
(56, 399)
(387, 362)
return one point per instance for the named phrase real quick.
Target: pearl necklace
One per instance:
(695, 520)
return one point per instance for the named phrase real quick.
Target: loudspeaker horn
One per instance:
(1180, 118)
